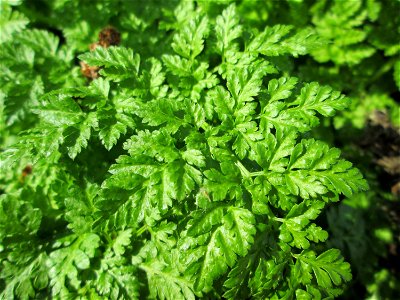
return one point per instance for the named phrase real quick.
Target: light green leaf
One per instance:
(11, 22)
(194, 157)
(43, 42)
(227, 29)
(189, 42)
(76, 138)
(165, 283)
(300, 113)
(64, 263)
(60, 110)
(281, 88)
(113, 57)
(279, 40)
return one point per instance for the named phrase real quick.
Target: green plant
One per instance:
(361, 57)
(186, 170)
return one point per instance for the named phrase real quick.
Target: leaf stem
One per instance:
(140, 231)
(278, 219)
(246, 173)
(243, 169)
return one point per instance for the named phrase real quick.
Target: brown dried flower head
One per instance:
(109, 36)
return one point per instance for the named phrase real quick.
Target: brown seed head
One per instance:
(27, 171)
(109, 36)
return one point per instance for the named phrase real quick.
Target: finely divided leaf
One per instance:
(165, 283)
(329, 268)
(189, 42)
(11, 22)
(65, 263)
(113, 57)
(279, 40)
(300, 113)
(296, 229)
(227, 29)
(60, 110)
(217, 238)
(41, 41)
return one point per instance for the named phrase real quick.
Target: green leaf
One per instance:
(80, 208)
(158, 144)
(321, 99)
(227, 29)
(41, 41)
(11, 22)
(328, 268)
(65, 263)
(267, 41)
(60, 110)
(222, 102)
(267, 275)
(219, 237)
(177, 65)
(300, 113)
(311, 293)
(26, 276)
(165, 283)
(122, 241)
(100, 87)
(119, 58)
(279, 40)
(225, 185)
(154, 186)
(194, 157)
(345, 44)
(181, 179)
(245, 84)
(76, 138)
(296, 229)
(335, 174)
(160, 111)
(112, 125)
(189, 42)
(116, 277)
(396, 73)
(17, 217)
(281, 88)
(237, 279)
(272, 153)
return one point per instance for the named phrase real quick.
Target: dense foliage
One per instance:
(182, 150)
